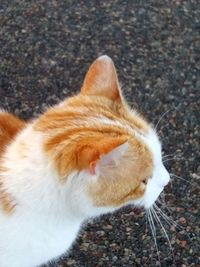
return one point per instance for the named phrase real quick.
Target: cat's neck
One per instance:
(31, 182)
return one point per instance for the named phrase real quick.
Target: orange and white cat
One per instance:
(87, 156)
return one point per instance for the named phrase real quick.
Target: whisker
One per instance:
(147, 221)
(153, 230)
(179, 177)
(163, 229)
(172, 158)
(168, 219)
(152, 221)
(172, 155)
(171, 222)
(161, 201)
(169, 159)
(163, 117)
(168, 155)
(161, 211)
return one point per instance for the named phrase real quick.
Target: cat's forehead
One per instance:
(106, 111)
(154, 144)
(99, 112)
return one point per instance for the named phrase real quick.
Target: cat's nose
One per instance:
(165, 177)
(162, 176)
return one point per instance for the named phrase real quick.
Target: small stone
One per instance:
(71, 262)
(114, 258)
(195, 176)
(108, 227)
(183, 243)
(178, 209)
(182, 220)
(173, 228)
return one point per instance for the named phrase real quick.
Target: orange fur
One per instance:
(122, 183)
(76, 138)
(6, 201)
(102, 72)
(66, 127)
(9, 127)
(82, 130)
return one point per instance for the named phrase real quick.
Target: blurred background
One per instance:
(46, 48)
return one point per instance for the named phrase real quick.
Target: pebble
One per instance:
(182, 220)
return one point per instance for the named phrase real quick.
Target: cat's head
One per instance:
(113, 152)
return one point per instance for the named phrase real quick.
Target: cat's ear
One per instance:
(101, 79)
(101, 153)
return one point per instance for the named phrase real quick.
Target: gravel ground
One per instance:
(45, 50)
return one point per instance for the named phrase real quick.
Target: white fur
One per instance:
(49, 214)
(160, 176)
(105, 58)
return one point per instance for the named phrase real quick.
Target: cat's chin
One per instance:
(147, 201)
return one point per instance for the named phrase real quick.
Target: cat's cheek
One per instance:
(151, 194)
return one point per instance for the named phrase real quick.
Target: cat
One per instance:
(84, 157)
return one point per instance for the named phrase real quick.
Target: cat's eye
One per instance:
(144, 181)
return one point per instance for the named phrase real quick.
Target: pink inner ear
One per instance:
(101, 79)
(92, 168)
(110, 158)
(114, 155)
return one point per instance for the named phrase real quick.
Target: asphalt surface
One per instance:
(45, 50)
